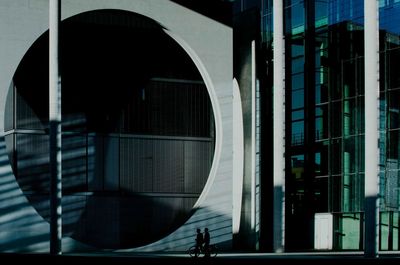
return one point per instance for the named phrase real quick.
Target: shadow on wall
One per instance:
(22, 229)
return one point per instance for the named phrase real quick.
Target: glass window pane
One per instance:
(396, 232)
(297, 133)
(298, 65)
(361, 159)
(336, 119)
(352, 192)
(321, 122)
(298, 115)
(394, 109)
(297, 48)
(321, 9)
(298, 81)
(321, 86)
(335, 189)
(297, 161)
(382, 111)
(347, 231)
(252, 3)
(322, 158)
(298, 99)
(384, 230)
(349, 117)
(349, 155)
(321, 194)
(349, 80)
(361, 114)
(297, 15)
(393, 150)
(394, 58)
(336, 154)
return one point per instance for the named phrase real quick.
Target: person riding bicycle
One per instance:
(199, 241)
(206, 239)
(203, 246)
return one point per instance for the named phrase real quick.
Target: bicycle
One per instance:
(196, 252)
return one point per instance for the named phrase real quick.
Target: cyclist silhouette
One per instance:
(199, 241)
(206, 239)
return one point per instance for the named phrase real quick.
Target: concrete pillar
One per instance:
(55, 127)
(279, 128)
(371, 47)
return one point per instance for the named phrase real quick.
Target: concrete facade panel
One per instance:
(206, 41)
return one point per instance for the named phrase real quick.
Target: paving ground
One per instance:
(182, 258)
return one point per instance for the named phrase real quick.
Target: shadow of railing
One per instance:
(24, 228)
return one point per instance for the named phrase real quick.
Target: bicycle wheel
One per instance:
(213, 251)
(193, 252)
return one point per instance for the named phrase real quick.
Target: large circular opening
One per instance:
(138, 131)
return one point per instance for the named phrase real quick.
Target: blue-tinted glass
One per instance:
(321, 9)
(350, 153)
(346, 10)
(321, 82)
(389, 18)
(297, 161)
(291, 2)
(382, 150)
(297, 81)
(336, 155)
(321, 122)
(319, 130)
(317, 60)
(267, 28)
(318, 94)
(297, 132)
(298, 65)
(382, 111)
(296, 15)
(349, 117)
(297, 50)
(267, 6)
(298, 99)
(298, 115)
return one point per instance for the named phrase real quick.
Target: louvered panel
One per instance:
(74, 162)
(197, 165)
(33, 162)
(168, 166)
(95, 165)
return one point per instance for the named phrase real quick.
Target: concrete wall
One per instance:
(206, 41)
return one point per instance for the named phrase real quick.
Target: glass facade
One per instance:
(324, 84)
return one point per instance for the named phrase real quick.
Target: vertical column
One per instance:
(55, 127)
(279, 128)
(253, 137)
(371, 46)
